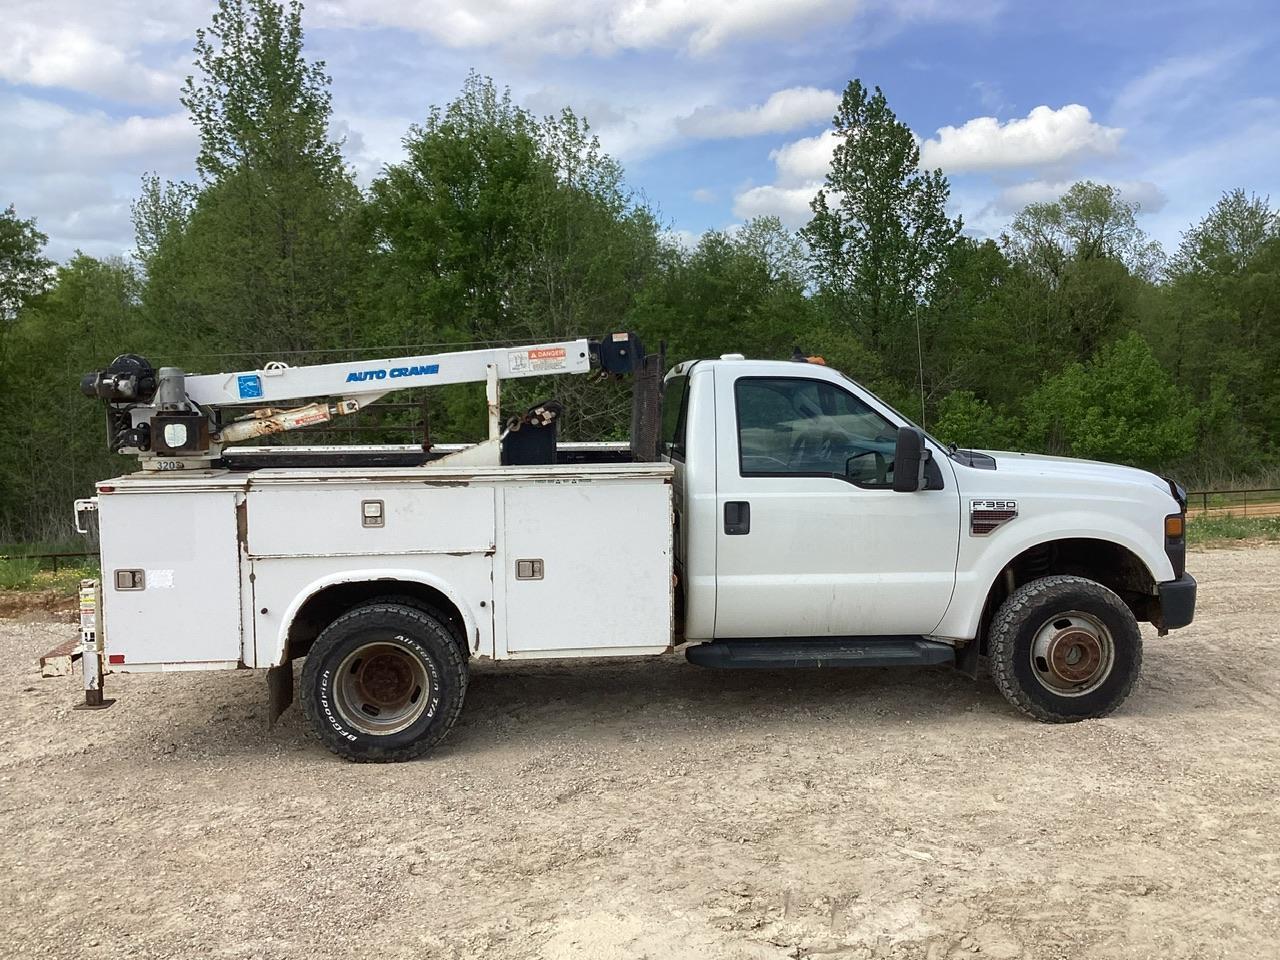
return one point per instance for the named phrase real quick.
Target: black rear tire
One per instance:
(453, 622)
(383, 683)
(1065, 649)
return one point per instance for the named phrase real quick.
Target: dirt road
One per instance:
(649, 809)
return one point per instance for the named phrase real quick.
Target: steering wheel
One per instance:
(808, 450)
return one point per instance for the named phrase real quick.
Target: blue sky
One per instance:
(716, 108)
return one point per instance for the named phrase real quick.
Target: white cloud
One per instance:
(1149, 197)
(630, 123)
(990, 95)
(370, 142)
(71, 58)
(46, 137)
(114, 49)
(1045, 136)
(788, 204)
(1171, 83)
(684, 239)
(77, 171)
(801, 168)
(806, 160)
(704, 195)
(785, 110)
(641, 130)
(596, 26)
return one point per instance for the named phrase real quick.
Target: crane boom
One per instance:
(276, 383)
(175, 421)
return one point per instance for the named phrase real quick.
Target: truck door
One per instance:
(812, 538)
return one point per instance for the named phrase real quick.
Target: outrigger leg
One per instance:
(91, 646)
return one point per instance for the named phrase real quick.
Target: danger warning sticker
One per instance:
(538, 360)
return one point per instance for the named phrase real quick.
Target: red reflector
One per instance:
(115, 658)
(107, 489)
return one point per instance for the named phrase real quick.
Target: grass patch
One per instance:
(26, 573)
(1206, 531)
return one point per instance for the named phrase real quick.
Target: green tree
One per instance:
(1229, 238)
(1087, 265)
(54, 438)
(160, 214)
(978, 309)
(1216, 326)
(499, 225)
(967, 421)
(258, 103)
(267, 254)
(1091, 221)
(25, 271)
(1121, 405)
(880, 233)
(740, 291)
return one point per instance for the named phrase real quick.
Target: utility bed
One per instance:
(539, 561)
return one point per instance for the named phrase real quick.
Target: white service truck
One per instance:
(782, 516)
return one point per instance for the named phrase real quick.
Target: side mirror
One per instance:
(909, 457)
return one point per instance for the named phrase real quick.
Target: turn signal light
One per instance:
(1175, 526)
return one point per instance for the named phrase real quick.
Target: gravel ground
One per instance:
(629, 809)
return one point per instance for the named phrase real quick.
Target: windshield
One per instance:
(900, 415)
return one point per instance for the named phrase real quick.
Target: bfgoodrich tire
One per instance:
(383, 683)
(1064, 649)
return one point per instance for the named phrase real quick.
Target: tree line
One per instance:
(1071, 333)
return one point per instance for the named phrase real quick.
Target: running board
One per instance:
(820, 652)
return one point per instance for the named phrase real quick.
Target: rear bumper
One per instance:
(1177, 602)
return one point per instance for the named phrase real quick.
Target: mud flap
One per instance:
(967, 658)
(279, 691)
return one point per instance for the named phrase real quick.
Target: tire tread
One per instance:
(1011, 617)
(334, 634)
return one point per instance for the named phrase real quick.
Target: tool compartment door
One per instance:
(587, 567)
(304, 536)
(308, 519)
(170, 578)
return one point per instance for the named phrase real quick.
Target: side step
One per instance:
(773, 654)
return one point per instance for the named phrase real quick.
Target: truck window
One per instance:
(793, 426)
(675, 402)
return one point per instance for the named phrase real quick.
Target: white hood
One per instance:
(1040, 465)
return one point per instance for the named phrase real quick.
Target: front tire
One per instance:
(383, 683)
(1064, 649)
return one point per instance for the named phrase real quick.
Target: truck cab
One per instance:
(794, 521)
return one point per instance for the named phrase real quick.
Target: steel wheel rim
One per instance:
(381, 688)
(1073, 654)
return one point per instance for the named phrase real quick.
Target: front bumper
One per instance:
(1177, 602)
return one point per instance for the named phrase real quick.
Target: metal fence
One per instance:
(55, 558)
(1251, 502)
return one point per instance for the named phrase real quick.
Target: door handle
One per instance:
(737, 517)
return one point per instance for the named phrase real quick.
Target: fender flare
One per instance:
(368, 575)
(962, 620)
